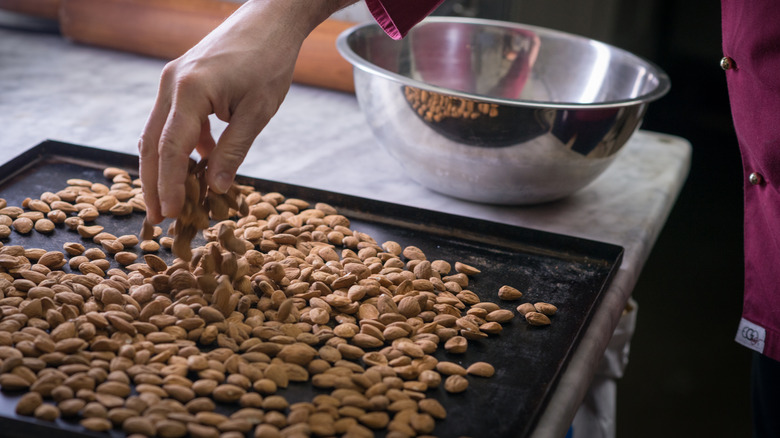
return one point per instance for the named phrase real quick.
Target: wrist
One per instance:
(335, 5)
(304, 15)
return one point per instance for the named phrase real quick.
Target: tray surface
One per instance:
(569, 272)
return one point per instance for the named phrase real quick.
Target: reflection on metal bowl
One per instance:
(499, 112)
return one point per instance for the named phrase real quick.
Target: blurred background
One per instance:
(686, 375)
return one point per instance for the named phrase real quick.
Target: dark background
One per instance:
(686, 376)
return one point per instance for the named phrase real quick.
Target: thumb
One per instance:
(232, 147)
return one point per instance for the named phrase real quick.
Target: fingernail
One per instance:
(223, 181)
(166, 209)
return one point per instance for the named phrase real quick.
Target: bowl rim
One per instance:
(358, 62)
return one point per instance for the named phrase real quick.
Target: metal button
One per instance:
(727, 63)
(755, 178)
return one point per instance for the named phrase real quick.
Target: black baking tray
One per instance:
(572, 273)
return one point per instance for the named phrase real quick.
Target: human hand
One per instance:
(240, 72)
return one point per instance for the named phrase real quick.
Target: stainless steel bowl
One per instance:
(499, 112)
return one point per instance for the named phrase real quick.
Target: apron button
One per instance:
(755, 178)
(727, 63)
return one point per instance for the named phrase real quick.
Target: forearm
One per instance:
(340, 4)
(303, 15)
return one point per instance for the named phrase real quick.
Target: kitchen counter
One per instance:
(53, 89)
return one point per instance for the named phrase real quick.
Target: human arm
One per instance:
(240, 72)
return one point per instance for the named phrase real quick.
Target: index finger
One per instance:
(148, 159)
(179, 137)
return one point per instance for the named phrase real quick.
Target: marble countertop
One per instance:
(53, 89)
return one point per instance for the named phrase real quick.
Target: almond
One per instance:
(525, 308)
(149, 246)
(227, 393)
(450, 368)
(112, 172)
(466, 269)
(121, 209)
(546, 308)
(456, 344)
(47, 412)
(139, 425)
(73, 248)
(23, 225)
(138, 204)
(96, 424)
(456, 384)
(12, 212)
(112, 246)
(509, 293)
(481, 369)
(88, 214)
(128, 240)
(28, 403)
(433, 408)
(125, 258)
(44, 226)
(89, 231)
(501, 316)
(104, 203)
(52, 259)
(536, 318)
(74, 222)
(374, 420)
(297, 353)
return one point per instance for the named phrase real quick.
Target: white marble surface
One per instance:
(53, 89)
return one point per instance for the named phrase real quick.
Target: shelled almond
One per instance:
(282, 291)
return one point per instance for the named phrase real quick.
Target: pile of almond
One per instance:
(283, 293)
(435, 107)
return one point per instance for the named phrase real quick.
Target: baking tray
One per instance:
(572, 273)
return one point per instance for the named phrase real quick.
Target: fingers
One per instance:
(229, 74)
(173, 131)
(233, 145)
(206, 142)
(179, 137)
(149, 161)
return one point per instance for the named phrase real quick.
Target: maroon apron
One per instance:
(396, 17)
(751, 50)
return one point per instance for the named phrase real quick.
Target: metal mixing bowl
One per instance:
(499, 112)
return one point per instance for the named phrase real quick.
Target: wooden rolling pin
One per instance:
(37, 8)
(168, 28)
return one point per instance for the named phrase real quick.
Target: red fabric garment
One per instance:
(751, 38)
(396, 17)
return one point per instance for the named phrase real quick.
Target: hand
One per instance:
(240, 72)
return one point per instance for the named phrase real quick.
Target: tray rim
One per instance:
(491, 229)
(446, 224)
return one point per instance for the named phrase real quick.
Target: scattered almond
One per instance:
(536, 318)
(545, 308)
(509, 293)
(281, 292)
